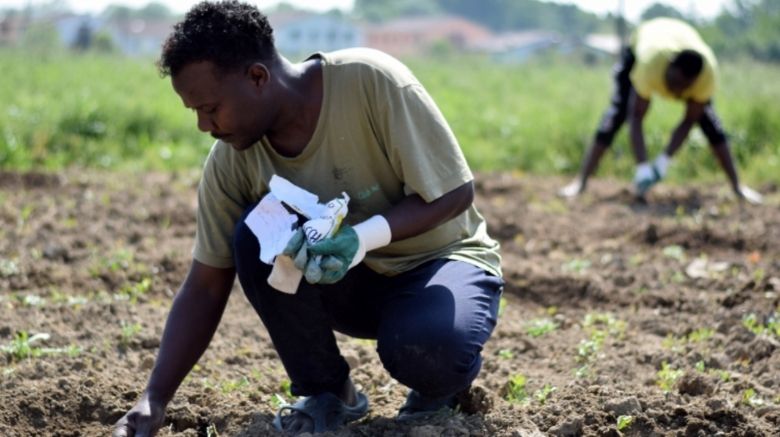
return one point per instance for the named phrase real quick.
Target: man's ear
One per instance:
(259, 74)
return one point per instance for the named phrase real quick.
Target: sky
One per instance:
(633, 8)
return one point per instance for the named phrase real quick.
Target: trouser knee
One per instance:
(435, 367)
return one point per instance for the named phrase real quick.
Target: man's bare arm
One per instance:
(192, 321)
(693, 112)
(413, 216)
(194, 317)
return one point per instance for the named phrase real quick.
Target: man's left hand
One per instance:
(339, 253)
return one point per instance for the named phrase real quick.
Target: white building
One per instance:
(299, 34)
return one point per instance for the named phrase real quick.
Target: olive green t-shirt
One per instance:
(379, 138)
(656, 43)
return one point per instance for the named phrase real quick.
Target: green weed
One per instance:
(544, 393)
(129, 331)
(539, 327)
(624, 422)
(771, 327)
(516, 390)
(23, 347)
(667, 377)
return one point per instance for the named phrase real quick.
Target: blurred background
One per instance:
(523, 83)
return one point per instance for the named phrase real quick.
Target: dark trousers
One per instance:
(430, 323)
(617, 112)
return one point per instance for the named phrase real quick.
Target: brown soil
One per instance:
(649, 304)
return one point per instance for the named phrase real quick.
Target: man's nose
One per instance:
(204, 123)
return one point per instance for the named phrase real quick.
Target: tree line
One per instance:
(744, 28)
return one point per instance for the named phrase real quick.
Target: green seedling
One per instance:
(624, 422)
(129, 331)
(24, 216)
(506, 354)
(544, 393)
(539, 327)
(772, 326)
(700, 335)
(751, 398)
(759, 274)
(230, 386)
(515, 389)
(636, 260)
(31, 300)
(582, 371)
(600, 326)
(700, 366)
(131, 291)
(675, 252)
(286, 387)
(576, 265)
(667, 377)
(8, 268)
(676, 344)
(22, 347)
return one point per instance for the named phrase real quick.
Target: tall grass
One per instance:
(65, 110)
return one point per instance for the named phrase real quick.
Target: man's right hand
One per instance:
(143, 420)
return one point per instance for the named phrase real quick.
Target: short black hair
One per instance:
(689, 62)
(227, 33)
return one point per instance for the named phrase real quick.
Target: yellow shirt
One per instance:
(379, 138)
(655, 44)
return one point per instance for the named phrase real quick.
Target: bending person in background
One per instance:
(666, 57)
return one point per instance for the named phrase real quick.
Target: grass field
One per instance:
(71, 110)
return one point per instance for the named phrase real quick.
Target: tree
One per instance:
(383, 10)
(657, 10)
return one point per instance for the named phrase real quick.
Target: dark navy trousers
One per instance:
(430, 323)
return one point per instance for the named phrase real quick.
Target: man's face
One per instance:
(676, 82)
(229, 105)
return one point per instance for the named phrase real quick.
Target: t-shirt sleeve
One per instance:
(220, 205)
(704, 87)
(421, 147)
(641, 82)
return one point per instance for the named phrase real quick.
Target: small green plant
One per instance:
(700, 366)
(772, 326)
(675, 252)
(506, 354)
(667, 377)
(624, 422)
(576, 265)
(539, 327)
(8, 268)
(230, 386)
(286, 388)
(515, 389)
(22, 347)
(129, 331)
(700, 335)
(751, 398)
(544, 393)
(131, 291)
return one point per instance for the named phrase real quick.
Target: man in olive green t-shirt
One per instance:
(412, 266)
(667, 57)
